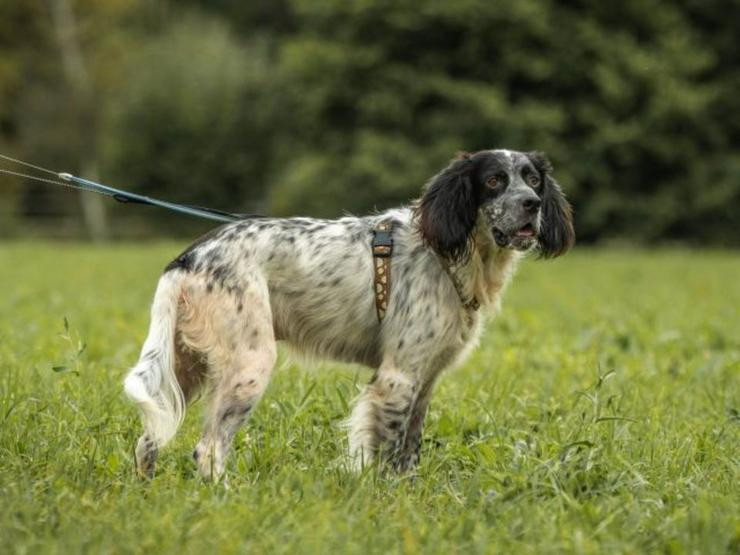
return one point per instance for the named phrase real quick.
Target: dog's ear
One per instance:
(556, 235)
(448, 210)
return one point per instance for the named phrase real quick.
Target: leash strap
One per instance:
(74, 182)
(382, 247)
(125, 196)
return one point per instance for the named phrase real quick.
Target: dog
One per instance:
(407, 306)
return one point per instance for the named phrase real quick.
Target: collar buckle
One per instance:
(382, 244)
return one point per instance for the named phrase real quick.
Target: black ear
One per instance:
(556, 235)
(448, 209)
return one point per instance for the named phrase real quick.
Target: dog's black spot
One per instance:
(229, 412)
(391, 409)
(182, 262)
(213, 255)
(236, 410)
(185, 260)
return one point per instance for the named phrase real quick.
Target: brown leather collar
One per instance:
(471, 303)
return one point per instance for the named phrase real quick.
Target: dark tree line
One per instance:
(305, 107)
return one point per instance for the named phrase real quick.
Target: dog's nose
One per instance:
(531, 204)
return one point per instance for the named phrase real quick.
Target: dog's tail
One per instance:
(152, 383)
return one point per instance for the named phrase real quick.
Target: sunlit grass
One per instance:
(600, 414)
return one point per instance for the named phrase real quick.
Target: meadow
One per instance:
(601, 414)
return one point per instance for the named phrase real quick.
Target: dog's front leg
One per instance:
(407, 457)
(381, 418)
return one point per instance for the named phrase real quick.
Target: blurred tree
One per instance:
(84, 106)
(191, 121)
(19, 31)
(296, 106)
(60, 88)
(625, 98)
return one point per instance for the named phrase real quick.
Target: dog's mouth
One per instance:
(527, 230)
(518, 238)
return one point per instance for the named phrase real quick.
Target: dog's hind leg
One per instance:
(152, 383)
(241, 353)
(191, 370)
(381, 417)
(242, 381)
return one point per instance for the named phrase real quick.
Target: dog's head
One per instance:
(511, 195)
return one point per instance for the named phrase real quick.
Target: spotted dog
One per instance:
(222, 305)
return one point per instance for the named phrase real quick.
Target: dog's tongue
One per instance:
(526, 231)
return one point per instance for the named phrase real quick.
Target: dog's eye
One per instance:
(533, 181)
(495, 180)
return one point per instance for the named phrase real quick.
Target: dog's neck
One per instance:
(483, 276)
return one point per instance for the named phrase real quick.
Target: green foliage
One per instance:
(617, 95)
(185, 123)
(19, 31)
(304, 107)
(600, 414)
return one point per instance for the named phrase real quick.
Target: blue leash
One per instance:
(125, 196)
(69, 180)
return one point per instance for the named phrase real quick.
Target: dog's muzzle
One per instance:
(518, 237)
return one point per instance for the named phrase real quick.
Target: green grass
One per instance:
(600, 414)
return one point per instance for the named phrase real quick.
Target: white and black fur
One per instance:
(223, 304)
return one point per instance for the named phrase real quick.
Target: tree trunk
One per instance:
(78, 80)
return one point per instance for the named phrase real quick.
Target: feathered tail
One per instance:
(152, 383)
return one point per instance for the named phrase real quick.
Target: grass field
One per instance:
(600, 414)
